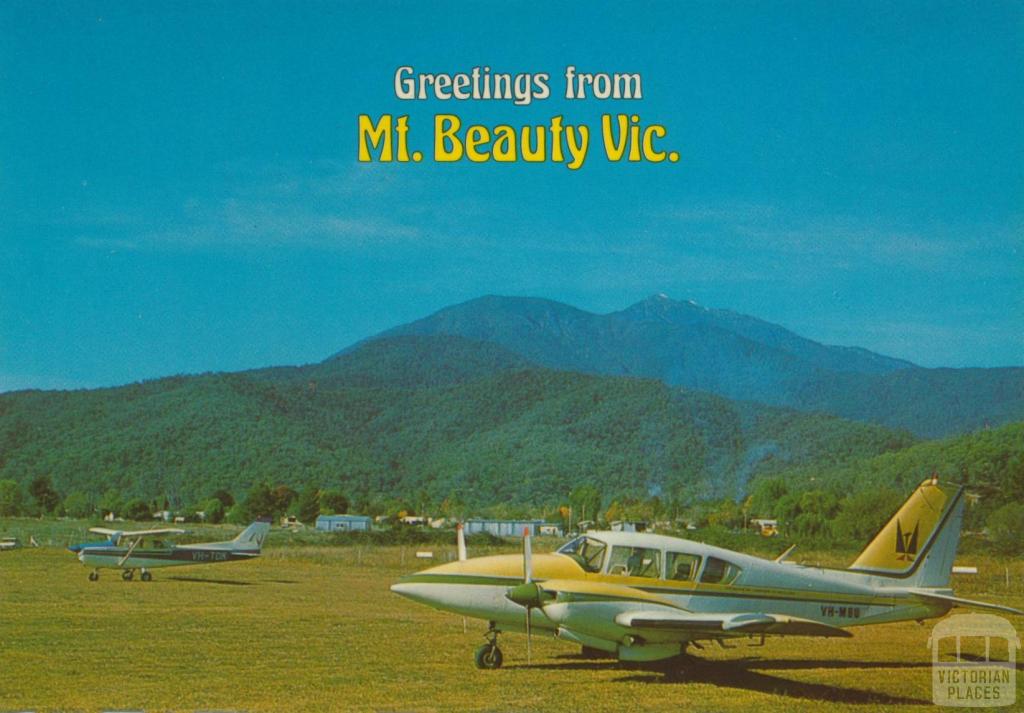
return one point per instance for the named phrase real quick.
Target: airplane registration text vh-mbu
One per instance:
(647, 597)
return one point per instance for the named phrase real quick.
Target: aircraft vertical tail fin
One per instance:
(252, 537)
(919, 542)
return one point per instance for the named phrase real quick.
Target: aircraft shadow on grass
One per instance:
(203, 580)
(742, 674)
(964, 656)
(233, 582)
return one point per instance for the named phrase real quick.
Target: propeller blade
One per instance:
(527, 579)
(527, 557)
(460, 538)
(529, 636)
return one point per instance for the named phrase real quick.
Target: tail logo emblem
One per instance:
(906, 543)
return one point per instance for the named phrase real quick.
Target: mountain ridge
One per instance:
(735, 356)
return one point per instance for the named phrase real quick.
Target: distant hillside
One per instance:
(415, 418)
(736, 356)
(990, 462)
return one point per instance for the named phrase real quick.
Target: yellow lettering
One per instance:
(477, 136)
(379, 136)
(504, 143)
(446, 126)
(657, 130)
(615, 148)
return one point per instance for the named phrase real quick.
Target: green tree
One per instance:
(259, 502)
(137, 509)
(78, 504)
(41, 490)
(213, 510)
(308, 505)
(862, 514)
(238, 515)
(111, 503)
(585, 501)
(283, 497)
(765, 495)
(225, 497)
(333, 502)
(1005, 526)
(12, 499)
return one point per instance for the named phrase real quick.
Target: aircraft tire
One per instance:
(127, 575)
(146, 576)
(93, 576)
(488, 656)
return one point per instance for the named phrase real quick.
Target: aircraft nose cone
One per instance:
(417, 591)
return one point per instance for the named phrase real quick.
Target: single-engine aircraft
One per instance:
(145, 550)
(647, 597)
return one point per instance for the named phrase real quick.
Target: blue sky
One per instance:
(179, 190)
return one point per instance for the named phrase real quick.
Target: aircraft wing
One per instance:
(134, 534)
(661, 613)
(740, 623)
(104, 531)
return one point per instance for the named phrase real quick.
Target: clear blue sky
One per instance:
(179, 191)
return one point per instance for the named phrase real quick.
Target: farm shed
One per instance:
(503, 528)
(332, 523)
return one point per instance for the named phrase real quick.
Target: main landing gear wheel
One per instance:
(488, 656)
(93, 576)
(146, 576)
(127, 575)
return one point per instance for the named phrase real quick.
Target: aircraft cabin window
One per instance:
(635, 562)
(588, 552)
(718, 571)
(682, 566)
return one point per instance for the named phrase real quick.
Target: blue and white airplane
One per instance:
(146, 549)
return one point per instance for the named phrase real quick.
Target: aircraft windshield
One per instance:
(635, 562)
(587, 552)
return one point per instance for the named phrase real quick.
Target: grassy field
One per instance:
(308, 628)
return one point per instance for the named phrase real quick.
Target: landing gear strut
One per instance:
(94, 575)
(127, 575)
(488, 656)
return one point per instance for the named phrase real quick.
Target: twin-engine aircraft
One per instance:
(645, 597)
(146, 549)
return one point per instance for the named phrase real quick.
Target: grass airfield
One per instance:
(315, 628)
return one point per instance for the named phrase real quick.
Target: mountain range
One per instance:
(502, 401)
(736, 356)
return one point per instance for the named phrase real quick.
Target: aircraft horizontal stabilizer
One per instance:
(749, 623)
(949, 598)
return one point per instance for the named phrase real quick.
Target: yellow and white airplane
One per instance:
(646, 597)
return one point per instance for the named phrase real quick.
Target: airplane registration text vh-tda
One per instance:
(647, 597)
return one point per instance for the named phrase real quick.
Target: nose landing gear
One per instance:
(94, 575)
(489, 656)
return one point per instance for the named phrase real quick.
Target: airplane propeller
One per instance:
(527, 594)
(460, 541)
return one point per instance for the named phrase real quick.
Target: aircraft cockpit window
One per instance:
(718, 571)
(635, 562)
(588, 552)
(682, 566)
